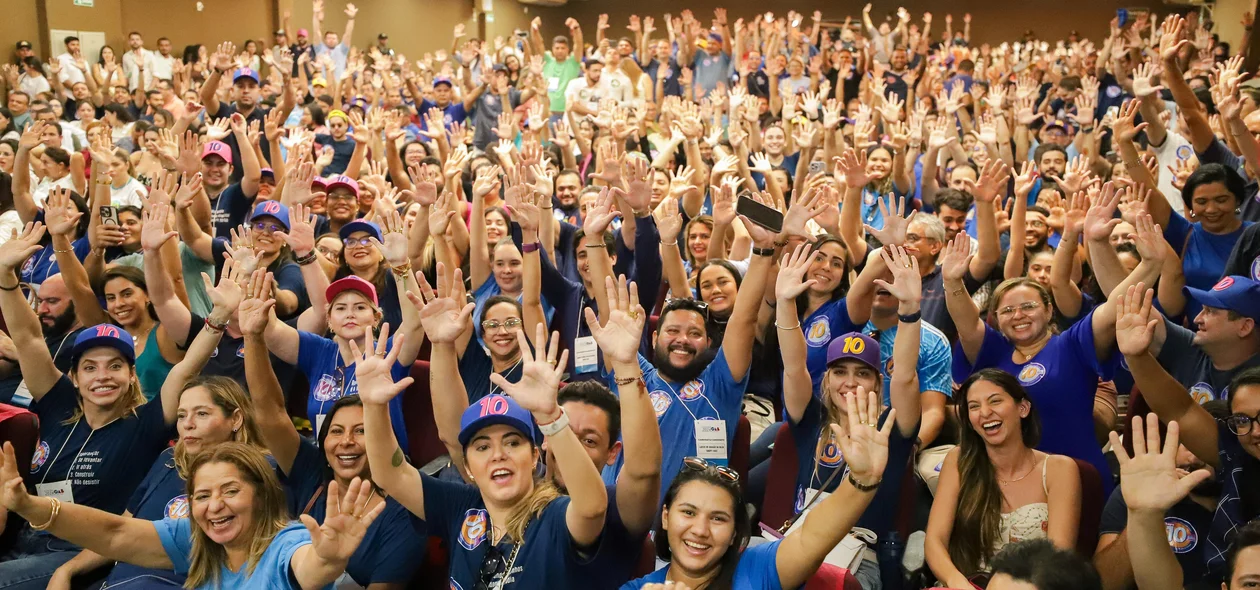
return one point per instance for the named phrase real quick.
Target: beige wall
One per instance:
(19, 23)
(104, 15)
(220, 20)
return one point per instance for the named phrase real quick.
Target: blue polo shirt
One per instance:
(714, 395)
(934, 365)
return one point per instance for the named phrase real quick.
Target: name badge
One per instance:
(319, 423)
(585, 355)
(553, 84)
(60, 490)
(711, 441)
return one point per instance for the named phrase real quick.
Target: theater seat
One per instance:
(1091, 509)
(422, 434)
(740, 449)
(647, 559)
(830, 577)
(21, 428)
(780, 499)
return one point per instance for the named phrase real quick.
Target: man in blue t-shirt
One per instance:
(228, 203)
(338, 52)
(339, 140)
(453, 111)
(246, 101)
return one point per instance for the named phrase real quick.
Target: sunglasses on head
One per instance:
(698, 464)
(695, 305)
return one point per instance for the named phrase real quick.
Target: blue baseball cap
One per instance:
(245, 73)
(442, 80)
(272, 209)
(360, 225)
(854, 345)
(495, 409)
(1233, 293)
(104, 335)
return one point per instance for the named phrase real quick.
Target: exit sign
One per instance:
(87, 3)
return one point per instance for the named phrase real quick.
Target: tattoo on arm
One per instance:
(398, 457)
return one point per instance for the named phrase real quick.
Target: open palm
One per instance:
(540, 375)
(865, 446)
(345, 523)
(619, 337)
(1149, 480)
(791, 282)
(373, 367)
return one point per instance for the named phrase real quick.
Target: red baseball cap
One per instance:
(350, 283)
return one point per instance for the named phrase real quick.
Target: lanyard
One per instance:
(716, 414)
(495, 388)
(76, 456)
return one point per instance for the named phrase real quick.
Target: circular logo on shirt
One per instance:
(819, 332)
(1202, 393)
(41, 455)
(1255, 269)
(1032, 373)
(326, 389)
(214, 353)
(830, 456)
(177, 507)
(29, 266)
(1181, 535)
(691, 390)
(660, 402)
(473, 531)
(491, 100)
(888, 367)
(1113, 91)
(707, 62)
(240, 351)
(455, 585)
(1224, 283)
(1184, 153)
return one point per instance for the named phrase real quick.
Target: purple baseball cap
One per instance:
(245, 73)
(442, 80)
(855, 345)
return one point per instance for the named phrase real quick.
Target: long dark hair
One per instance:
(802, 301)
(743, 523)
(978, 517)
(322, 435)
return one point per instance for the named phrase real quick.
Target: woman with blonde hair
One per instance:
(97, 433)
(238, 533)
(212, 410)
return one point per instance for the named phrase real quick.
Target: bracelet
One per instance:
(530, 247)
(863, 487)
(763, 252)
(781, 243)
(796, 327)
(402, 271)
(308, 258)
(911, 318)
(673, 243)
(629, 380)
(216, 327)
(56, 509)
(555, 426)
(13, 288)
(66, 251)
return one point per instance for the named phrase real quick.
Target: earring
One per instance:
(1191, 214)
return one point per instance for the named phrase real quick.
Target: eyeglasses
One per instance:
(265, 227)
(352, 242)
(508, 324)
(1240, 424)
(916, 238)
(695, 305)
(698, 464)
(1026, 307)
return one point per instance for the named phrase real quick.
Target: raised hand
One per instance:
(809, 206)
(1136, 321)
(12, 491)
(21, 246)
(992, 181)
(896, 222)
(600, 215)
(241, 249)
(256, 309)
(619, 337)
(1149, 238)
(791, 282)
(60, 212)
(956, 257)
(864, 444)
(668, 220)
(443, 316)
(347, 518)
(373, 367)
(394, 248)
(301, 234)
(540, 375)
(1150, 480)
(853, 165)
(638, 174)
(907, 285)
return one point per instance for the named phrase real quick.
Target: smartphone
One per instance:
(759, 214)
(1122, 17)
(815, 167)
(109, 215)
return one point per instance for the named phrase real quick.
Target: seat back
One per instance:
(830, 577)
(1091, 508)
(422, 434)
(21, 428)
(780, 499)
(647, 558)
(740, 449)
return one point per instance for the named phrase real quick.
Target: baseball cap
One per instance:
(715, 37)
(104, 335)
(268, 173)
(382, 36)
(245, 73)
(318, 184)
(302, 33)
(342, 180)
(217, 148)
(360, 225)
(280, 32)
(1253, 83)
(1233, 293)
(442, 80)
(350, 283)
(495, 409)
(23, 44)
(319, 81)
(1057, 123)
(273, 209)
(500, 67)
(854, 345)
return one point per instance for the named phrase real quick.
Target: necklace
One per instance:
(1018, 479)
(1033, 350)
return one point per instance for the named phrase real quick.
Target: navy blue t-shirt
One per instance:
(392, 549)
(229, 210)
(104, 465)
(1187, 524)
(319, 359)
(1203, 254)
(161, 495)
(43, 263)
(228, 358)
(827, 322)
(342, 150)
(475, 368)
(1062, 380)
(457, 513)
(615, 557)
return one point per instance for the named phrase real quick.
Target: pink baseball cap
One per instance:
(302, 33)
(217, 148)
(343, 180)
(350, 283)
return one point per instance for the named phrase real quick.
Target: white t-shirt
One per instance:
(579, 91)
(1175, 147)
(70, 73)
(132, 71)
(40, 194)
(163, 67)
(618, 87)
(131, 194)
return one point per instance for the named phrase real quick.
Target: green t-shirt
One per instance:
(198, 301)
(558, 74)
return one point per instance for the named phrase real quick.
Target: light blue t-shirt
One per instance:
(935, 359)
(757, 570)
(339, 54)
(272, 571)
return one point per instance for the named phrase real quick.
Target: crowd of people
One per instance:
(942, 314)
